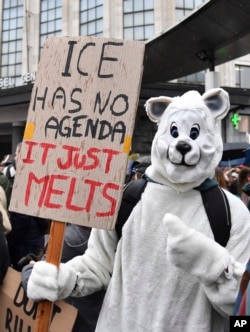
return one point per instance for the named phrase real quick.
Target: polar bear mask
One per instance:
(187, 145)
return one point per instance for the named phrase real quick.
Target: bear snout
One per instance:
(183, 147)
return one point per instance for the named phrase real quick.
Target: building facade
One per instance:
(25, 24)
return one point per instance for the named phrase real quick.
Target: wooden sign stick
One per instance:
(53, 256)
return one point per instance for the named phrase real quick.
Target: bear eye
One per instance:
(174, 130)
(195, 131)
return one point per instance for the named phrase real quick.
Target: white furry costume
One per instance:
(166, 273)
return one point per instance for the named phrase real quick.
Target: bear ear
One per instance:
(217, 101)
(156, 106)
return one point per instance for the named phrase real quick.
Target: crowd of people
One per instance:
(236, 180)
(23, 237)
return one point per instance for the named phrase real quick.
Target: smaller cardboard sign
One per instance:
(18, 313)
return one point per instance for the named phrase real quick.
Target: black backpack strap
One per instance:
(214, 200)
(131, 195)
(218, 212)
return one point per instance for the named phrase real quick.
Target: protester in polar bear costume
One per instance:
(166, 273)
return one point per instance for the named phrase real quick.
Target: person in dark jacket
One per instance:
(28, 232)
(27, 236)
(4, 254)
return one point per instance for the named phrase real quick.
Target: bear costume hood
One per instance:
(187, 146)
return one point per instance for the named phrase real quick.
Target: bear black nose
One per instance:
(183, 147)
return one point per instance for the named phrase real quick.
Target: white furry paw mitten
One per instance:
(195, 253)
(47, 282)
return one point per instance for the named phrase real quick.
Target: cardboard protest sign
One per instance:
(18, 313)
(79, 129)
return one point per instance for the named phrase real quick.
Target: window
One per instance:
(138, 19)
(242, 76)
(197, 78)
(12, 30)
(91, 18)
(184, 7)
(50, 19)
